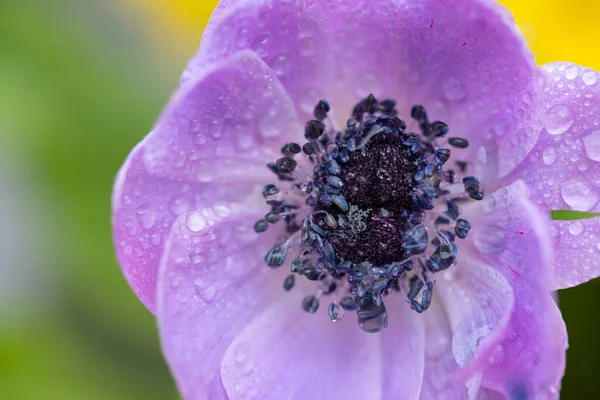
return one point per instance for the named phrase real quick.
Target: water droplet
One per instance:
(243, 39)
(242, 361)
(146, 218)
(268, 124)
(281, 64)
(204, 290)
(559, 119)
(572, 72)
(549, 155)
(592, 145)
(195, 125)
(307, 46)
(579, 196)
(261, 44)
(222, 210)
(179, 205)
(454, 90)
(590, 78)
(196, 221)
(497, 356)
(575, 228)
(216, 128)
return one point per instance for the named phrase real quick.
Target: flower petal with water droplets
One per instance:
(208, 149)
(563, 169)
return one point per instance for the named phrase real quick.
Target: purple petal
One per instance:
(283, 354)
(527, 360)
(440, 380)
(402, 346)
(212, 283)
(478, 301)
(209, 149)
(563, 170)
(463, 59)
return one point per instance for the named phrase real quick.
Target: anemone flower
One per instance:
(351, 200)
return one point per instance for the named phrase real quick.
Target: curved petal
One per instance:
(563, 170)
(282, 354)
(441, 375)
(478, 301)
(403, 348)
(286, 356)
(212, 283)
(527, 360)
(463, 59)
(209, 149)
(288, 35)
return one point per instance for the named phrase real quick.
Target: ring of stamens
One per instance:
(366, 221)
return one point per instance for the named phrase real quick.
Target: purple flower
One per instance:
(434, 234)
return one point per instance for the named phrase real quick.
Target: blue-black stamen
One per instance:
(374, 216)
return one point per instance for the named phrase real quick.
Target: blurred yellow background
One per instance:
(81, 82)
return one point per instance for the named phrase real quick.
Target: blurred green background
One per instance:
(81, 82)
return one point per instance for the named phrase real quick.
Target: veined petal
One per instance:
(294, 355)
(207, 150)
(441, 378)
(527, 359)
(464, 60)
(212, 283)
(563, 170)
(403, 345)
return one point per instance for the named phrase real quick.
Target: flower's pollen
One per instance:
(374, 216)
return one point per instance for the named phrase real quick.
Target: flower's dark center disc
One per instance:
(377, 183)
(375, 214)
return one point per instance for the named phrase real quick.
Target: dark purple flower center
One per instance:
(374, 216)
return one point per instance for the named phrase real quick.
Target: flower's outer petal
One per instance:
(403, 348)
(212, 283)
(478, 301)
(510, 233)
(208, 149)
(563, 170)
(287, 35)
(286, 354)
(440, 379)
(462, 59)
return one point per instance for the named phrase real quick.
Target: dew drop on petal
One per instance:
(592, 145)
(204, 290)
(179, 205)
(575, 228)
(454, 90)
(280, 64)
(558, 119)
(572, 72)
(242, 361)
(146, 218)
(590, 78)
(579, 196)
(549, 155)
(196, 221)
(222, 210)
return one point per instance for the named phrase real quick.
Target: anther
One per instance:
(289, 282)
(314, 129)
(276, 256)
(310, 304)
(458, 142)
(321, 110)
(286, 164)
(261, 226)
(335, 312)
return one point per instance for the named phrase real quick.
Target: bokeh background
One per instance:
(81, 81)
